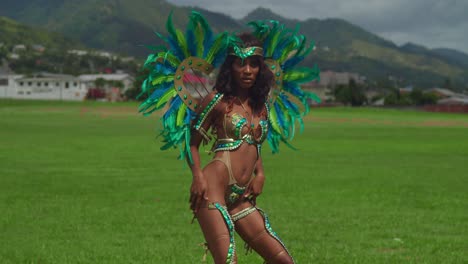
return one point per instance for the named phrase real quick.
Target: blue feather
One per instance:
(160, 90)
(292, 62)
(173, 46)
(279, 48)
(207, 43)
(192, 46)
(293, 89)
(175, 104)
(175, 49)
(289, 105)
(189, 116)
(219, 58)
(280, 116)
(164, 69)
(274, 30)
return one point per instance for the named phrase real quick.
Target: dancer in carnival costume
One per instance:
(256, 97)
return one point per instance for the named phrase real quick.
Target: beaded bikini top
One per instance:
(236, 128)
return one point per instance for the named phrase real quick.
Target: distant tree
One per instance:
(417, 96)
(447, 84)
(342, 94)
(385, 84)
(351, 94)
(429, 98)
(135, 91)
(100, 82)
(392, 98)
(117, 84)
(358, 97)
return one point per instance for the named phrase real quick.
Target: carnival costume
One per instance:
(199, 50)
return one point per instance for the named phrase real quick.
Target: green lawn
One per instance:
(87, 183)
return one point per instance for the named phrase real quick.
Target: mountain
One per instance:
(346, 47)
(126, 26)
(454, 56)
(28, 50)
(122, 26)
(14, 33)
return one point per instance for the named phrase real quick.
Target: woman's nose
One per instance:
(247, 68)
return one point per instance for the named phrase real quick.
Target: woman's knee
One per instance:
(281, 258)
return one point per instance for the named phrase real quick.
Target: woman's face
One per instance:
(245, 71)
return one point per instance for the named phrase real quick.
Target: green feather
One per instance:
(274, 121)
(165, 98)
(169, 57)
(181, 115)
(177, 35)
(204, 26)
(301, 45)
(170, 27)
(287, 51)
(162, 79)
(144, 87)
(275, 33)
(219, 43)
(199, 40)
(187, 145)
(301, 75)
(287, 118)
(182, 42)
(149, 60)
(166, 56)
(260, 29)
(313, 97)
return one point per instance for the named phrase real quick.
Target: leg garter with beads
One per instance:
(230, 225)
(271, 232)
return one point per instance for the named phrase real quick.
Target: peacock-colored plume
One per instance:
(289, 103)
(166, 65)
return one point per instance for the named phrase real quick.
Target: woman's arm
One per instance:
(198, 188)
(256, 186)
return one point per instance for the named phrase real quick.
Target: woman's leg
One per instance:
(213, 217)
(258, 235)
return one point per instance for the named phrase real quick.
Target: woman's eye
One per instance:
(254, 64)
(238, 63)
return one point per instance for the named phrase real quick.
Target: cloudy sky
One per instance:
(431, 23)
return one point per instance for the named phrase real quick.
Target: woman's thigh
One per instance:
(211, 219)
(253, 231)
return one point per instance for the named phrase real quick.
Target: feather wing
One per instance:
(290, 103)
(166, 66)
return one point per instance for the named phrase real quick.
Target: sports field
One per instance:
(87, 183)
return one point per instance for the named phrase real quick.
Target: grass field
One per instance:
(87, 183)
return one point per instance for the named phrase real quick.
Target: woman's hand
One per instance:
(198, 192)
(255, 188)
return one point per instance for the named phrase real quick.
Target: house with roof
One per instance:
(42, 86)
(441, 92)
(112, 91)
(90, 79)
(47, 86)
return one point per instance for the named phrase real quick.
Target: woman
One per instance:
(223, 193)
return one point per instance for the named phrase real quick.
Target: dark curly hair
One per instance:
(259, 92)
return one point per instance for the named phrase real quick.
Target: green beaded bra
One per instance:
(236, 128)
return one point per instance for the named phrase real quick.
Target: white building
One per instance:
(42, 87)
(125, 78)
(47, 86)
(78, 52)
(8, 85)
